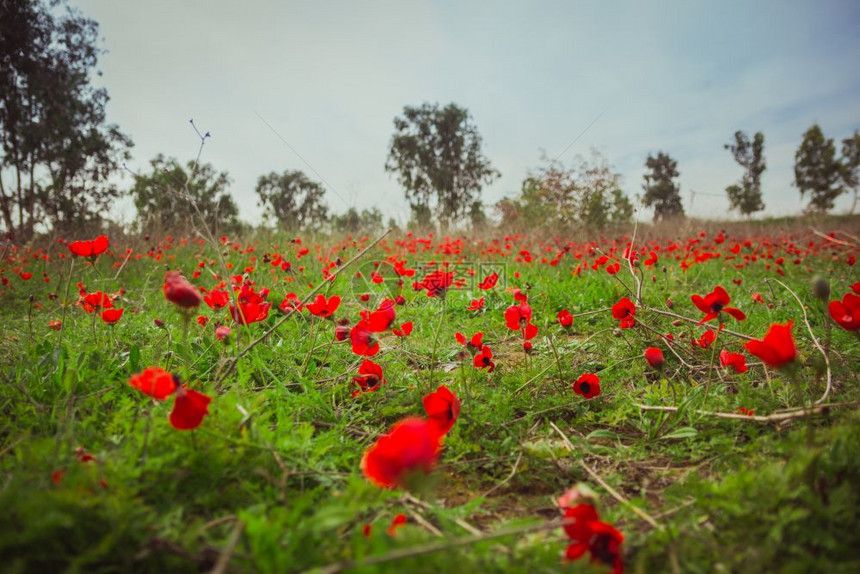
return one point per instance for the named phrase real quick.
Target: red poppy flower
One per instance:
(363, 341)
(565, 319)
(613, 268)
(476, 304)
(856, 287)
(217, 299)
(369, 378)
(484, 360)
(189, 408)
(398, 521)
(96, 302)
(846, 313)
(715, 303)
(291, 303)
(90, 248)
(735, 361)
(530, 331)
(410, 449)
(587, 385)
(745, 411)
(252, 306)
(588, 534)
(516, 316)
(624, 311)
(179, 291)
(404, 329)
(473, 344)
(654, 356)
(222, 332)
(112, 316)
(155, 382)
(436, 283)
(489, 281)
(777, 349)
(707, 339)
(381, 319)
(55, 324)
(442, 408)
(322, 307)
(577, 521)
(25, 275)
(341, 332)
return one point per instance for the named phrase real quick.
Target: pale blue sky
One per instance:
(329, 77)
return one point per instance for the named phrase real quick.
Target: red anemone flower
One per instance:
(91, 248)
(252, 306)
(654, 356)
(112, 316)
(381, 319)
(565, 319)
(322, 307)
(189, 406)
(369, 378)
(707, 339)
(410, 449)
(735, 361)
(484, 360)
(363, 341)
(217, 299)
(179, 291)
(516, 316)
(777, 349)
(489, 281)
(442, 408)
(404, 329)
(476, 304)
(587, 385)
(715, 303)
(96, 302)
(624, 311)
(846, 313)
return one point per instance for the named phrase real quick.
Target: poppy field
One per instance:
(417, 403)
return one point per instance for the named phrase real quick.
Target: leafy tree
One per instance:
(746, 196)
(661, 191)
(436, 154)
(817, 171)
(292, 199)
(169, 194)
(587, 194)
(57, 152)
(354, 222)
(851, 165)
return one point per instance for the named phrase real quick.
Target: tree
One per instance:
(293, 200)
(661, 192)
(58, 152)
(817, 171)
(170, 193)
(746, 196)
(586, 194)
(436, 154)
(851, 165)
(353, 222)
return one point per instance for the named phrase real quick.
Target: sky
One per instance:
(315, 86)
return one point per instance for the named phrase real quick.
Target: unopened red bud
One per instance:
(677, 323)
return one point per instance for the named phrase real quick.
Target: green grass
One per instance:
(271, 479)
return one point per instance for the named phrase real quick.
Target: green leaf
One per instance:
(683, 432)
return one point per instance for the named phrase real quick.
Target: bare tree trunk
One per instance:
(5, 205)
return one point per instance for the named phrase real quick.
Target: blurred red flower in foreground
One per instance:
(587, 385)
(179, 291)
(846, 313)
(587, 533)
(407, 452)
(442, 408)
(189, 406)
(363, 341)
(777, 349)
(715, 303)
(90, 248)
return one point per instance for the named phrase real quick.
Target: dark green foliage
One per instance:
(293, 200)
(58, 151)
(746, 196)
(851, 165)
(436, 154)
(585, 195)
(661, 191)
(353, 221)
(817, 171)
(172, 197)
